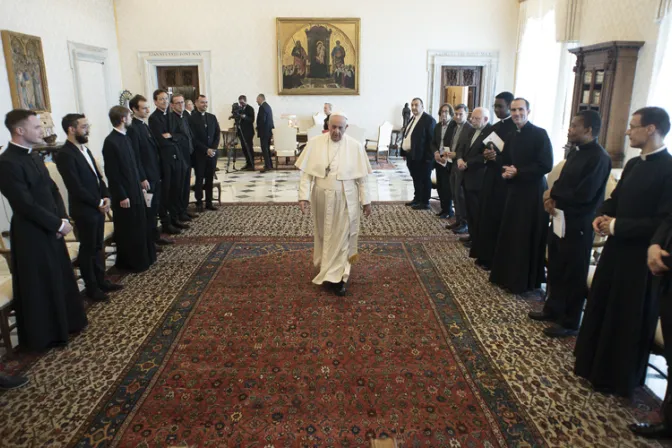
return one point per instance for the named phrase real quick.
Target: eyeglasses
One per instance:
(636, 127)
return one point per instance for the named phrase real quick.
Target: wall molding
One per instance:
(436, 59)
(88, 53)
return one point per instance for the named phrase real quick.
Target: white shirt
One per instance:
(476, 134)
(406, 144)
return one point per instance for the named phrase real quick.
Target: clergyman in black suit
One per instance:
(459, 138)
(206, 135)
(181, 132)
(172, 167)
(471, 162)
(247, 128)
(149, 164)
(265, 128)
(136, 250)
(417, 148)
(89, 201)
(443, 132)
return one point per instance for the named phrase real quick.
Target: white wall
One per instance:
(395, 37)
(629, 20)
(57, 22)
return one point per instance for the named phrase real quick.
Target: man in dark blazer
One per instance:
(460, 137)
(443, 133)
(247, 128)
(172, 167)
(147, 157)
(181, 132)
(206, 134)
(417, 148)
(472, 164)
(265, 128)
(89, 202)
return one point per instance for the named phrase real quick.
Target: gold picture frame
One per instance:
(26, 71)
(318, 56)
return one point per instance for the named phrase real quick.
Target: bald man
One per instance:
(335, 167)
(471, 162)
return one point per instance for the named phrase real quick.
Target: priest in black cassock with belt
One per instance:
(181, 133)
(135, 246)
(206, 134)
(577, 193)
(493, 190)
(47, 301)
(518, 264)
(621, 315)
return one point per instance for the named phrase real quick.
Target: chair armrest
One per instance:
(7, 254)
(369, 140)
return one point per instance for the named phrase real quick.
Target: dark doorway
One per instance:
(462, 85)
(181, 79)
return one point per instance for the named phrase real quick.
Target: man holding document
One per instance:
(443, 133)
(572, 203)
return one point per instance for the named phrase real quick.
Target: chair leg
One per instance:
(219, 194)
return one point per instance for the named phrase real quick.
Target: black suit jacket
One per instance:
(421, 139)
(86, 187)
(472, 154)
(161, 123)
(265, 124)
(146, 151)
(247, 123)
(205, 131)
(181, 132)
(122, 169)
(438, 144)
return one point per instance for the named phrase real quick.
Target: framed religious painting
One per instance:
(318, 56)
(26, 71)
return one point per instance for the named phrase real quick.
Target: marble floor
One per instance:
(282, 185)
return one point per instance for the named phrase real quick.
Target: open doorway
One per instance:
(462, 85)
(181, 79)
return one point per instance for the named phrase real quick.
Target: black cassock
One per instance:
(492, 199)
(135, 245)
(518, 263)
(622, 309)
(46, 297)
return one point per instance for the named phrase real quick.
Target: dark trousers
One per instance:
(172, 172)
(666, 326)
(568, 261)
(443, 188)
(90, 230)
(153, 211)
(247, 143)
(456, 177)
(472, 206)
(266, 150)
(421, 172)
(186, 182)
(204, 170)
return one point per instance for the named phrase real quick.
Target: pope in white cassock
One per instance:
(335, 167)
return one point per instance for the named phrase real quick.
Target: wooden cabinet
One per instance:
(604, 75)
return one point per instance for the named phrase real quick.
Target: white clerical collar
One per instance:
(24, 147)
(140, 119)
(121, 132)
(644, 156)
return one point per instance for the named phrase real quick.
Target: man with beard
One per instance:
(247, 129)
(172, 167)
(578, 192)
(149, 166)
(493, 191)
(518, 265)
(206, 132)
(89, 201)
(47, 302)
(417, 148)
(135, 247)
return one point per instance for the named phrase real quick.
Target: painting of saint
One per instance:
(318, 67)
(338, 55)
(26, 71)
(299, 59)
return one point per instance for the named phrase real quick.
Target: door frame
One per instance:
(88, 53)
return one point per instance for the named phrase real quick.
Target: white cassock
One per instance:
(337, 194)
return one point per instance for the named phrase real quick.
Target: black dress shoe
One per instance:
(455, 225)
(249, 168)
(165, 241)
(341, 288)
(184, 217)
(540, 316)
(556, 331)
(192, 215)
(199, 208)
(170, 230)
(12, 382)
(411, 204)
(180, 225)
(467, 244)
(460, 230)
(651, 430)
(441, 213)
(211, 207)
(465, 238)
(158, 249)
(421, 207)
(445, 216)
(483, 265)
(110, 287)
(97, 295)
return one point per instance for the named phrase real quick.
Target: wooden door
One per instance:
(181, 79)
(463, 77)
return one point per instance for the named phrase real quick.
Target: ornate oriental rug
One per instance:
(226, 343)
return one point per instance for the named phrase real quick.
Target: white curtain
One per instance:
(660, 93)
(544, 71)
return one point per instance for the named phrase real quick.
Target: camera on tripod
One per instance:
(237, 112)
